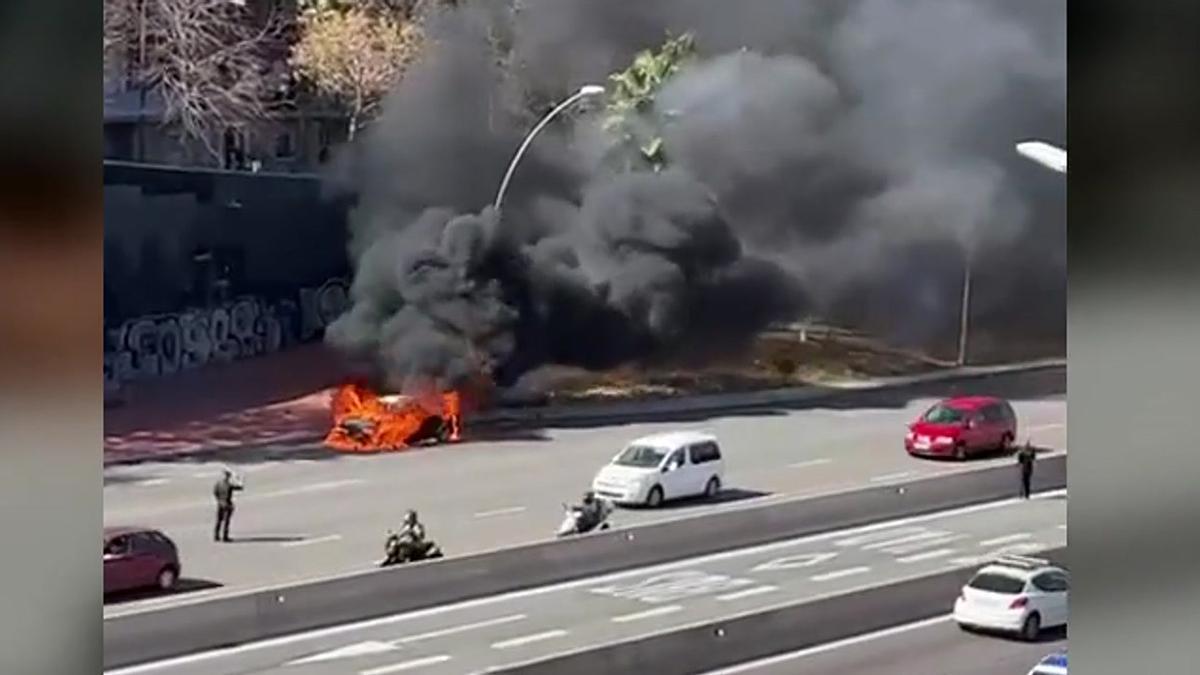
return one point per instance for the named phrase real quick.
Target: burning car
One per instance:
(364, 421)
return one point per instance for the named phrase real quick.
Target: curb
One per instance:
(582, 413)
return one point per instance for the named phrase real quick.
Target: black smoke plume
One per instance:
(839, 159)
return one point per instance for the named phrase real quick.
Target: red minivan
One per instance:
(958, 427)
(139, 557)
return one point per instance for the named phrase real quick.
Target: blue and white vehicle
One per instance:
(1053, 664)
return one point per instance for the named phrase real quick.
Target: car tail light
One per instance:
(1019, 603)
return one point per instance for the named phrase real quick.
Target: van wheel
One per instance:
(167, 578)
(655, 498)
(712, 488)
(1032, 627)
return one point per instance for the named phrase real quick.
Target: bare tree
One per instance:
(209, 60)
(354, 55)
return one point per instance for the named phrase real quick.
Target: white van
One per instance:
(653, 469)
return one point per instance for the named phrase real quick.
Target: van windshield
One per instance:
(642, 456)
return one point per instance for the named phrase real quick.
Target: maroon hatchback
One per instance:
(139, 557)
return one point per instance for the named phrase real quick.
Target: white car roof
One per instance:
(1020, 567)
(674, 439)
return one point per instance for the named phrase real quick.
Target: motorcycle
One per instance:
(399, 549)
(573, 521)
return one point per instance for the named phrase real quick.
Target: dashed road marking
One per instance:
(649, 613)
(500, 512)
(810, 462)
(892, 476)
(829, 576)
(528, 639)
(407, 665)
(906, 539)
(792, 562)
(879, 535)
(749, 592)
(928, 555)
(460, 629)
(1006, 539)
(306, 542)
(924, 544)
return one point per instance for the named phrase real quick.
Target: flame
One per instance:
(364, 421)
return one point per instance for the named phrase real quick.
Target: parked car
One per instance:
(656, 468)
(139, 557)
(1016, 594)
(960, 427)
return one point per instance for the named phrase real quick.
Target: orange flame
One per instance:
(363, 421)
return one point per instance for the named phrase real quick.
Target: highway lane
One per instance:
(933, 647)
(537, 623)
(319, 513)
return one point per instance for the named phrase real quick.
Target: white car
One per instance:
(653, 469)
(1015, 594)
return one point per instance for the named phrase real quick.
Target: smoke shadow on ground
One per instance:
(183, 586)
(1048, 383)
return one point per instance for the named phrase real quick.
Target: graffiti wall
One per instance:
(162, 345)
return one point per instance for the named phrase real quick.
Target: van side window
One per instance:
(705, 452)
(676, 459)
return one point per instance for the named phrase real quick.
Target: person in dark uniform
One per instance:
(223, 492)
(1025, 457)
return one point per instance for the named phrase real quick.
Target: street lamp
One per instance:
(586, 90)
(1043, 153)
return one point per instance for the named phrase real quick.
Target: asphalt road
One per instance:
(314, 513)
(933, 647)
(537, 623)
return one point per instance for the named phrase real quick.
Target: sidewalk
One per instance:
(280, 398)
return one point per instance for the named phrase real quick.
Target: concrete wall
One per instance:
(205, 266)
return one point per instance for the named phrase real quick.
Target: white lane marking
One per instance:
(500, 512)
(757, 590)
(638, 616)
(928, 555)
(1012, 549)
(831, 646)
(792, 562)
(349, 651)
(877, 535)
(892, 476)
(151, 482)
(527, 639)
(407, 665)
(306, 542)
(928, 543)
(1006, 539)
(1062, 527)
(303, 489)
(810, 462)
(838, 574)
(919, 536)
(460, 629)
(366, 624)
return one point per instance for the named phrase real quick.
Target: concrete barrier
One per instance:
(206, 624)
(730, 641)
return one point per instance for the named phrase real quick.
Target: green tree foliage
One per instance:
(632, 92)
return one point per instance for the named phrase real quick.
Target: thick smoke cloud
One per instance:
(825, 158)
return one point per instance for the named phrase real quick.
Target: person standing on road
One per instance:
(223, 492)
(1025, 457)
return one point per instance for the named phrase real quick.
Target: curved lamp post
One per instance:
(584, 91)
(1049, 156)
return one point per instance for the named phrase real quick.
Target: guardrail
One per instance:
(731, 641)
(153, 634)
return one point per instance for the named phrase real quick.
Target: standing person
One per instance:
(1025, 457)
(223, 492)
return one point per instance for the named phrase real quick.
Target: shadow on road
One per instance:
(725, 496)
(265, 539)
(184, 586)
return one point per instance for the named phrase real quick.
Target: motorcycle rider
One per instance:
(590, 512)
